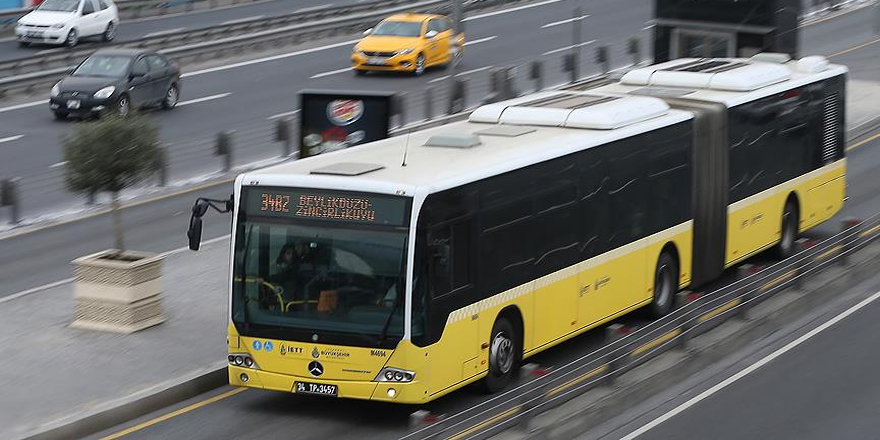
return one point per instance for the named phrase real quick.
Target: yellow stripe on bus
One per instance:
(656, 342)
(484, 424)
(577, 380)
(720, 310)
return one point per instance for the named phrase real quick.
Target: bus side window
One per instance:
(449, 263)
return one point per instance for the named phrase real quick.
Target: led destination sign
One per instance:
(315, 205)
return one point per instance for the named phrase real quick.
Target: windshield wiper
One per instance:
(243, 282)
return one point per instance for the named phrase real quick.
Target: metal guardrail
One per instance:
(220, 40)
(696, 315)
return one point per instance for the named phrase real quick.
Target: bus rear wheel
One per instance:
(790, 219)
(504, 355)
(665, 285)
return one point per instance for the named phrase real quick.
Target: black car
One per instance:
(117, 80)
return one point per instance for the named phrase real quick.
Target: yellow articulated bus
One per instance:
(403, 269)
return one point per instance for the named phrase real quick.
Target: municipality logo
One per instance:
(315, 353)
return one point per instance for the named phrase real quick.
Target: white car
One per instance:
(67, 21)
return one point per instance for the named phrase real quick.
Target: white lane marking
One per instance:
(314, 8)
(242, 20)
(468, 72)
(569, 20)
(563, 49)
(11, 138)
(70, 280)
(505, 11)
(166, 31)
(752, 368)
(281, 115)
(442, 78)
(206, 98)
(332, 72)
(59, 164)
(481, 40)
(21, 106)
(266, 59)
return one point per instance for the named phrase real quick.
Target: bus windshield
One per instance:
(298, 279)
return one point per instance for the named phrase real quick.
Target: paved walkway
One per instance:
(53, 373)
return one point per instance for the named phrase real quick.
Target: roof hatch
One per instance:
(572, 110)
(348, 169)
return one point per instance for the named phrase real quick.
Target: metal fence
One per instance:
(696, 314)
(256, 142)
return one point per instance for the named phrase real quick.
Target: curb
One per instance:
(701, 352)
(134, 407)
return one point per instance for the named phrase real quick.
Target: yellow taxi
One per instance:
(408, 43)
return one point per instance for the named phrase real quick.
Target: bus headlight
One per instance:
(390, 374)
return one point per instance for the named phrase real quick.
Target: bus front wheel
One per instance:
(665, 285)
(504, 349)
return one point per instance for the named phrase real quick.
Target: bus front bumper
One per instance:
(397, 392)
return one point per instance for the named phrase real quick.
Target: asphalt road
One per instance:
(245, 96)
(130, 30)
(825, 387)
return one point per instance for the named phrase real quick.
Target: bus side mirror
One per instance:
(194, 233)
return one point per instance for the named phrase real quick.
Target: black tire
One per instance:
(790, 220)
(72, 38)
(172, 97)
(665, 285)
(24, 44)
(109, 33)
(61, 116)
(505, 353)
(359, 72)
(419, 68)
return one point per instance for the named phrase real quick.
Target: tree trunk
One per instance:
(117, 222)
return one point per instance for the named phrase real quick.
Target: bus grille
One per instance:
(829, 135)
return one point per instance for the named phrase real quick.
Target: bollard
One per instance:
(429, 92)
(397, 104)
(224, 148)
(457, 97)
(508, 91)
(602, 58)
(162, 165)
(633, 49)
(846, 224)
(283, 135)
(536, 73)
(570, 65)
(9, 197)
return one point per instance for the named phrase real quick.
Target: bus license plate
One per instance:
(73, 104)
(317, 388)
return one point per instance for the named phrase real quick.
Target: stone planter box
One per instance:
(118, 292)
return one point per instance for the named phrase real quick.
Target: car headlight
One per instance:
(56, 90)
(105, 92)
(405, 51)
(57, 25)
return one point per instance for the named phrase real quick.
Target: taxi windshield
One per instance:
(398, 29)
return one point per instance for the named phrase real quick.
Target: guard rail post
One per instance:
(398, 102)
(9, 197)
(602, 58)
(429, 96)
(848, 223)
(283, 135)
(224, 148)
(536, 73)
(457, 96)
(162, 165)
(632, 47)
(508, 91)
(570, 64)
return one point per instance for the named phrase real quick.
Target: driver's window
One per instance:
(140, 67)
(88, 7)
(433, 25)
